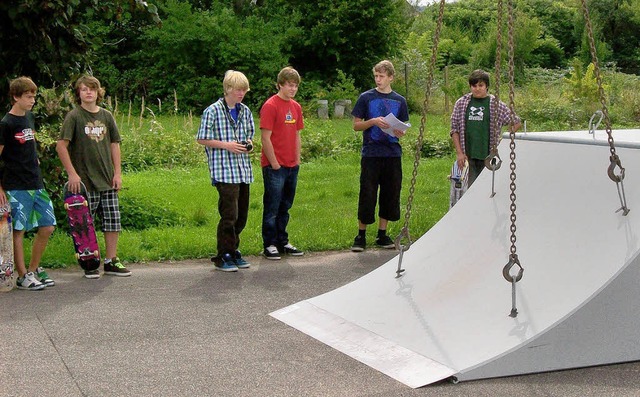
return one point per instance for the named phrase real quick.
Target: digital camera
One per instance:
(247, 145)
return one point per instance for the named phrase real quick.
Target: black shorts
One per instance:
(386, 173)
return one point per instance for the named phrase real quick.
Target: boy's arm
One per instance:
(116, 157)
(361, 125)
(233, 147)
(62, 147)
(267, 148)
(460, 156)
(298, 147)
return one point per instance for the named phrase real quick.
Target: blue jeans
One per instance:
(279, 192)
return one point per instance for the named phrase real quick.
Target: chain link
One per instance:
(613, 158)
(512, 134)
(425, 106)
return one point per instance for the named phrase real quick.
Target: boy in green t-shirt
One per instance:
(89, 149)
(471, 126)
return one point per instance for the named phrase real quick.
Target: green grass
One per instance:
(323, 217)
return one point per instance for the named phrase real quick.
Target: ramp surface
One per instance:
(449, 314)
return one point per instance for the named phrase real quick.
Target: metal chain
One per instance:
(493, 160)
(613, 158)
(513, 256)
(405, 229)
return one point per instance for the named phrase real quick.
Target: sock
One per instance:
(362, 233)
(381, 233)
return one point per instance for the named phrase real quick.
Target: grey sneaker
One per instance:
(44, 278)
(116, 268)
(29, 282)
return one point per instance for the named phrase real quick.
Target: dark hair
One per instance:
(477, 76)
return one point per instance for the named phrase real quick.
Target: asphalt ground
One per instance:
(184, 329)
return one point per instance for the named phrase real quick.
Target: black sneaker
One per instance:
(359, 243)
(116, 268)
(291, 250)
(271, 252)
(95, 273)
(385, 242)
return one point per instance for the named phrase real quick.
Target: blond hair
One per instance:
(385, 67)
(234, 80)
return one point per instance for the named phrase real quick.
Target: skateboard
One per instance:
(7, 277)
(83, 232)
(459, 182)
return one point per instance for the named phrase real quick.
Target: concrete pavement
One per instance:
(183, 329)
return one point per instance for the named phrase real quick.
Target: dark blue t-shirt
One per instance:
(372, 104)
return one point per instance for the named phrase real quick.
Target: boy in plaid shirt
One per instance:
(226, 131)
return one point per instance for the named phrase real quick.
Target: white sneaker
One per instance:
(29, 282)
(271, 252)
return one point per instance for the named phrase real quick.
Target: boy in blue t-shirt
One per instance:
(381, 163)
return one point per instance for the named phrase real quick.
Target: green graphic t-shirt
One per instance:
(90, 136)
(477, 128)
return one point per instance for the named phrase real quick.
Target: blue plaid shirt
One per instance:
(217, 124)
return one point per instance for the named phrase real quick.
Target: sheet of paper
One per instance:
(394, 124)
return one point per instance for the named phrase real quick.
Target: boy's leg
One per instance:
(44, 220)
(273, 185)
(389, 203)
(243, 211)
(108, 209)
(18, 252)
(286, 202)
(21, 207)
(228, 194)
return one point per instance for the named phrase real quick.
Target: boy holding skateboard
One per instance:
(22, 185)
(381, 163)
(89, 149)
(226, 131)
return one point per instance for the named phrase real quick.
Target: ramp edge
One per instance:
(396, 361)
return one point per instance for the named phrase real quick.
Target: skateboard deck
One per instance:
(459, 182)
(83, 232)
(7, 277)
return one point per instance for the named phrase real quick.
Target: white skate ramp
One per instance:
(579, 298)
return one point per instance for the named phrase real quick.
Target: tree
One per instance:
(50, 40)
(351, 36)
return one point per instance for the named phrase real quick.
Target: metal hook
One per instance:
(506, 271)
(402, 248)
(493, 161)
(592, 128)
(615, 162)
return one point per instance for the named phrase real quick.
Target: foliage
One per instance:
(141, 214)
(49, 40)
(582, 85)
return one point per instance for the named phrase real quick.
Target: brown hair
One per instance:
(385, 67)
(288, 74)
(90, 82)
(20, 85)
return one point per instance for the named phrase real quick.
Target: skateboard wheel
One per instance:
(66, 206)
(96, 253)
(85, 203)
(77, 255)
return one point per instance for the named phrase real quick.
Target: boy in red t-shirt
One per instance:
(280, 125)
